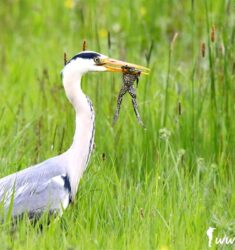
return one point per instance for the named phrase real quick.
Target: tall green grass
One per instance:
(159, 188)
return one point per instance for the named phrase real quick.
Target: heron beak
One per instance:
(114, 65)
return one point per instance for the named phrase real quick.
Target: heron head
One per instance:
(90, 61)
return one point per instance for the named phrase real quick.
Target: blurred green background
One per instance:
(154, 188)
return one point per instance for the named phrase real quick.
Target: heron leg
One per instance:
(132, 93)
(122, 92)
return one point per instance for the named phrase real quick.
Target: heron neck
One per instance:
(80, 150)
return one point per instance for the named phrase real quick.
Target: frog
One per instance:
(129, 77)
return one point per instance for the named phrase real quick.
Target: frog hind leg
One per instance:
(132, 93)
(122, 92)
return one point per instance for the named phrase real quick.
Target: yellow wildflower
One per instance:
(103, 33)
(164, 247)
(69, 4)
(143, 11)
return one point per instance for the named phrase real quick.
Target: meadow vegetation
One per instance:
(154, 188)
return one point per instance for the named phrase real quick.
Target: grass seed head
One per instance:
(203, 49)
(213, 34)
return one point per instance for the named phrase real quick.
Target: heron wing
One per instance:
(36, 189)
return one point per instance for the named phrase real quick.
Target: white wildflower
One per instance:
(164, 134)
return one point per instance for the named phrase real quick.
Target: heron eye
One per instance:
(97, 60)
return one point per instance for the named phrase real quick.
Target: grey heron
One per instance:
(52, 184)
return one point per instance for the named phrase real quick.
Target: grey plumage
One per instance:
(36, 189)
